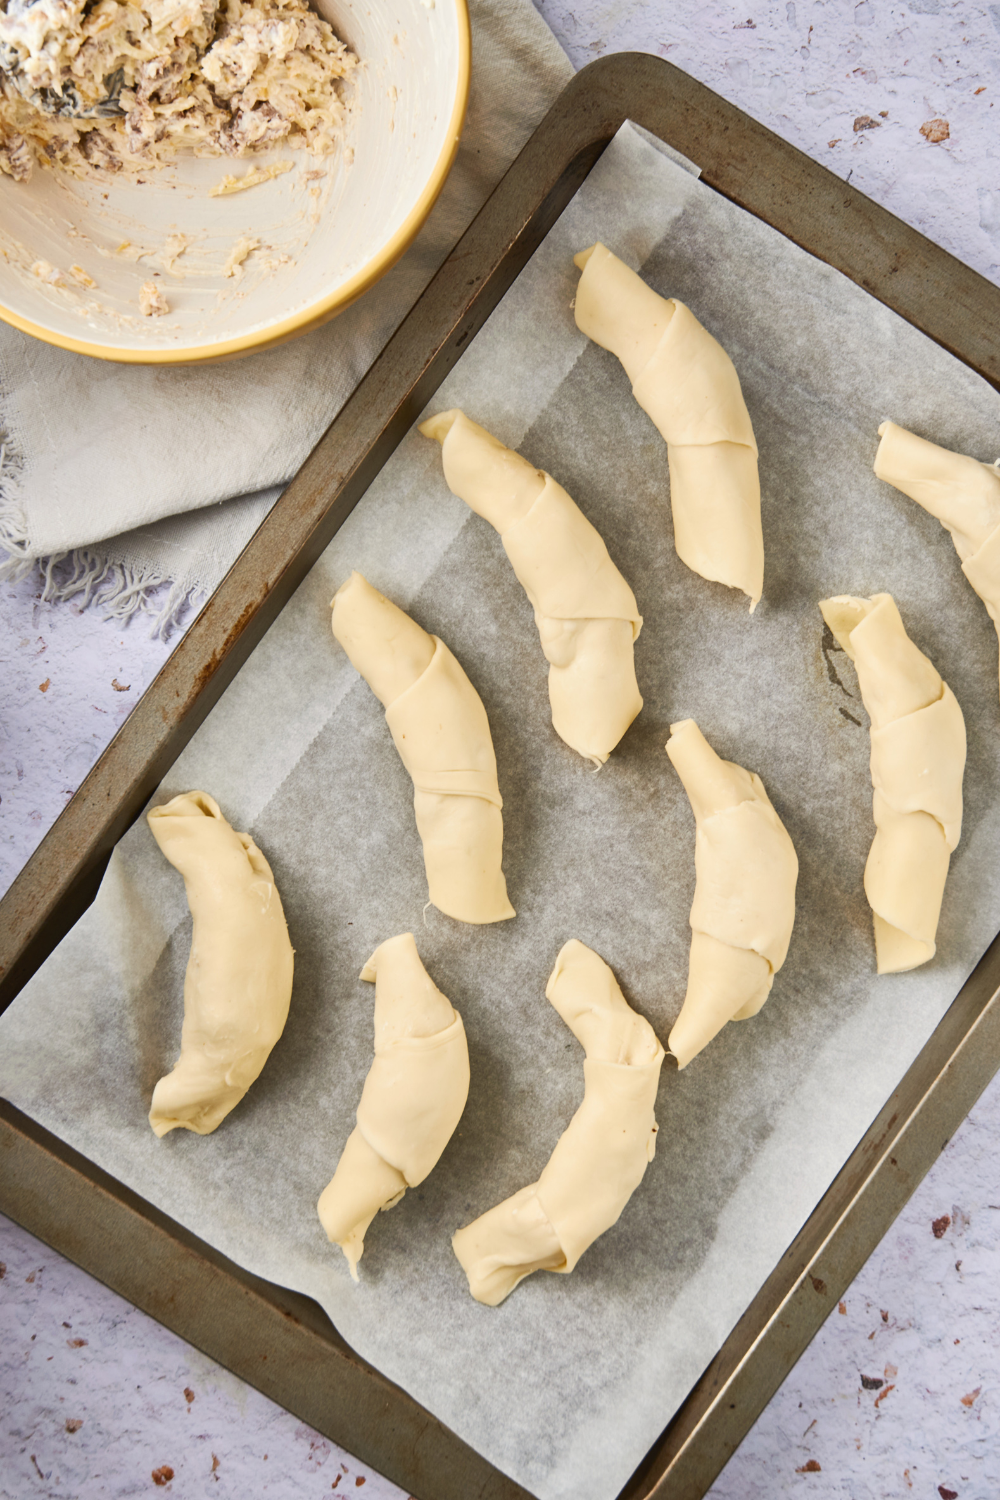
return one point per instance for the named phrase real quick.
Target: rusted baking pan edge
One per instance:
(902, 1144)
(961, 311)
(280, 1342)
(738, 157)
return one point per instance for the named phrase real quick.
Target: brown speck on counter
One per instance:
(882, 1394)
(38, 1471)
(76, 1343)
(980, 90)
(120, 687)
(162, 1475)
(935, 130)
(188, 1394)
(842, 1309)
(865, 122)
(43, 687)
(947, 1494)
(940, 1225)
(885, 1315)
(809, 1467)
(3, 1270)
(73, 1424)
(872, 1382)
(359, 1481)
(215, 1465)
(883, 114)
(970, 1399)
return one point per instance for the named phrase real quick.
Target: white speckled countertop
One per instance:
(899, 1394)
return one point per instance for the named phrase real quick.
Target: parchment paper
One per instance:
(568, 1383)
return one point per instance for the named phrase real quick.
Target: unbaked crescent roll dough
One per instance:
(917, 764)
(239, 975)
(744, 898)
(412, 1100)
(600, 1158)
(961, 492)
(439, 726)
(685, 381)
(585, 611)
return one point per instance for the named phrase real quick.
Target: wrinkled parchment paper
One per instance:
(568, 1383)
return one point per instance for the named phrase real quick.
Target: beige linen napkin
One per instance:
(112, 475)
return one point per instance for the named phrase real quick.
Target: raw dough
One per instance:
(962, 493)
(439, 726)
(598, 1161)
(686, 382)
(585, 611)
(744, 899)
(239, 975)
(917, 764)
(412, 1100)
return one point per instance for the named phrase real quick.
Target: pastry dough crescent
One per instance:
(239, 975)
(962, 493)
(600, 1158)
(439, 726)
(412, 1100)
(744, 899)
(686, 382)
(917, 764)
(585, 611)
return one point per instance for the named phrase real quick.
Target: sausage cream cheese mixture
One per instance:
(116, 85)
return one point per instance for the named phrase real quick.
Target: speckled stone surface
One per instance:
(899, 1394)
(98, 1400)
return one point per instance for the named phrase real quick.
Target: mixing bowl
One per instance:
(243, 270)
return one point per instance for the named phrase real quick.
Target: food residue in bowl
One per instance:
(174, 248)
(118, 86)
(253, 178)
(45, 271)
(152, 302)
(238, 254)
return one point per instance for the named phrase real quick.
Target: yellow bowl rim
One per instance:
(327, 307)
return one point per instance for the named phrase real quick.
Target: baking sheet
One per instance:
(568, 1383)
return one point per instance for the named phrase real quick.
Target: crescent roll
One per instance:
(685, 381)
(412, 1100)
(439, 726)
(744, 899)
(962, 493)
(917, 764)
(585, 611)
(239, 975)
(600, 1158)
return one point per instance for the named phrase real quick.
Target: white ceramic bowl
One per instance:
(322, 240)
